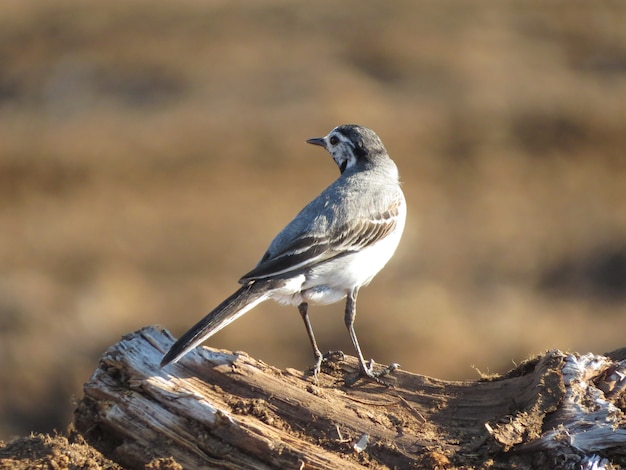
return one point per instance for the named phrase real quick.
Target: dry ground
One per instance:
(43, 451)
(149, 151)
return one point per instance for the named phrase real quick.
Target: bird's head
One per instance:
(351, 145)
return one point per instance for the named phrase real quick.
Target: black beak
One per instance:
(317, 141)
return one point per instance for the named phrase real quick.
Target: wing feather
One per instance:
(307, 250)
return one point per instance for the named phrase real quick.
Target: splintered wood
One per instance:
(218, 409)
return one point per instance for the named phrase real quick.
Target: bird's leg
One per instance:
(365, 369)
(303, 308)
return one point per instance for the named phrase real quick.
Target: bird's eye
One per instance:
(334, 140)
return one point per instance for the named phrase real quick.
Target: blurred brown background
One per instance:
(149, 151)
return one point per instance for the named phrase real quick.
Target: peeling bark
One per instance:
(220, 409)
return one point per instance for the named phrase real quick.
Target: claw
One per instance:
(334, 354)
(316, 368)
(368, 372)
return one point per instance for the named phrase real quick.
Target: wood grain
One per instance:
(219, 409)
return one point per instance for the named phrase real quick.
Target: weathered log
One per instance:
(220, 409)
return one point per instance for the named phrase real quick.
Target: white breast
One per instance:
(330, 281)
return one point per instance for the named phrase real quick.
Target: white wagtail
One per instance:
(332, 248)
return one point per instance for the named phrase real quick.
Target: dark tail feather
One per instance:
(229, 310)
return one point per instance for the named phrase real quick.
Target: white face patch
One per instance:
(341, 149)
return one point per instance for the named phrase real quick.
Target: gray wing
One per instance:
(308, 249)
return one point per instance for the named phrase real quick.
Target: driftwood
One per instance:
(218, 409)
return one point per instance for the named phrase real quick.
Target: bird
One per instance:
(334, 246)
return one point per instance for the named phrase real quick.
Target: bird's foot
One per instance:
(367, 371)
(339, 355)
(315, 369)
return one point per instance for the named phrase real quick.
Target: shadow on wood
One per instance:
(220, 409)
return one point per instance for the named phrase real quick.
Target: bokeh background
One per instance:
(150, 150)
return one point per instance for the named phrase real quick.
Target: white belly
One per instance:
(331, 281)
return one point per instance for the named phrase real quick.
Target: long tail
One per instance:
(246, 298)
